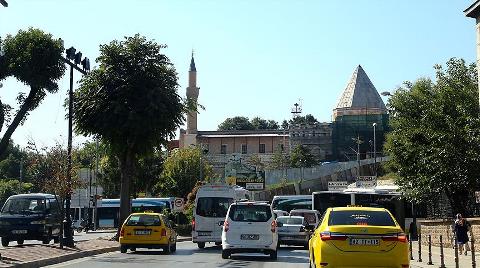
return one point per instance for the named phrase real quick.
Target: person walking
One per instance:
(462, 227)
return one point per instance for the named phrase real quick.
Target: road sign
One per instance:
(254, 186)
(178, 204)
(366, 181)
(337, 185)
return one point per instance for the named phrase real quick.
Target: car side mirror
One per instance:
(279, 224)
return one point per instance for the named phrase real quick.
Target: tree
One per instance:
(301, 156)
(11, 187)
(280, 159)
(236, 123)
(34, 58)
(260, 123)
(10, 165)
(285, 124)
(182, 172)
(131, 102)
(434, 145)
(307, 119)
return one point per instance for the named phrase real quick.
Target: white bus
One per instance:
(211, 205)
(290, 202)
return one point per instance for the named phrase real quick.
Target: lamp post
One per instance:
(375, 149)
(73, 59)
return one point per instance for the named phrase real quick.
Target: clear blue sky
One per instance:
(254, 58)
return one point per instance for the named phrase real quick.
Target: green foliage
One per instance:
(243, 123)
(131, 100)
(307, 119)
(280, 159)
(434, 145)
(10, 166)
(301, 156)
(10, 187)
(34, 58)
(182, 172)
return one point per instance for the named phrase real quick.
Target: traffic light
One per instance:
(70, 53)
(86, 64)
(78, 57)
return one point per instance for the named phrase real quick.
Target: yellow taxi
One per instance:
(359, 237)
(148, 230)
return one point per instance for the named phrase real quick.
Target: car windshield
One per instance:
(289, 220)
(360, 217)
(143, 220)
(24, 206)
(213, 206)
(309, 216)
(250, 213)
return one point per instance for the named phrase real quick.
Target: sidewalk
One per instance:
(449, 257)
(38, 255)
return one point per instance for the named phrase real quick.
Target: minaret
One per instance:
(192, 93)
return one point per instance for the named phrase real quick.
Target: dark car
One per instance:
(30, 217)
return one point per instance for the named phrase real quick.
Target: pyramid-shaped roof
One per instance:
(360, 93)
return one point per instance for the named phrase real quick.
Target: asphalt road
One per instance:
(188, 255)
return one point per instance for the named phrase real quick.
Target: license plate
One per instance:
(364, 242)
(19, 231)
(204, 233)
(249, 237)
(143, 232)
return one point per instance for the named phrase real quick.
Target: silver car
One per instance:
(293, 230)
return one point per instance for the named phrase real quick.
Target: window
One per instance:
(290, 220)
(213, 206)
(143, 220)
(261, 148)
(250, 213)
(244, 149)
(359, 217)
(223, 149)
(24, 206)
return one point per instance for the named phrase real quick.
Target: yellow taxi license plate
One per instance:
(143, 232)
(364, 242)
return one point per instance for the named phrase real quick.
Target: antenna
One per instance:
(297, 108)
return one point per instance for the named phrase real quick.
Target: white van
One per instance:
(211, 206)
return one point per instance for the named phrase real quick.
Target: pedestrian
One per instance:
(462, 227)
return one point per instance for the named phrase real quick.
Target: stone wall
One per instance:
(443, 227)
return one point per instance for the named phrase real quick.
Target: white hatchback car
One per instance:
(249, 227)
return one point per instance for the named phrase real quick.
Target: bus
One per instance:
(388, 198)
(108, 210)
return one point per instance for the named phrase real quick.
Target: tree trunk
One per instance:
(27, 104)
(126, 162)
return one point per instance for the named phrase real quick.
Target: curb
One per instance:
(65, 258)
(183, 239)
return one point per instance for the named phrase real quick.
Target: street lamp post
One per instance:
(375, 149)
(72, 59)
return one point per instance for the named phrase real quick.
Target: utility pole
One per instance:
(375, 149)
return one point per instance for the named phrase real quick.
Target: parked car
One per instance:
(293, 230)
(361, 236)
(30, 217)
(249, 227)
(312, 217)
(148, 230)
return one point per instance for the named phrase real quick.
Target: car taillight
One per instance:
(163, 233)
(329, 236)
(122, 232)
(401, 237)
(226, 226)
(193, 225)
(273, 226)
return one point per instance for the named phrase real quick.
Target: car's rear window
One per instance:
(289, 220)
(250, 213)
(309, 216)
(360, 217)
(143, 220)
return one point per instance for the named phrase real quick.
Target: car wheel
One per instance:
(46, 240)
(123, 249)
(56, 239)
(20, 241)
(225, 254)
(5, 241)
(273, 255)
(201, 244)
(218, 243)
(133, 249)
